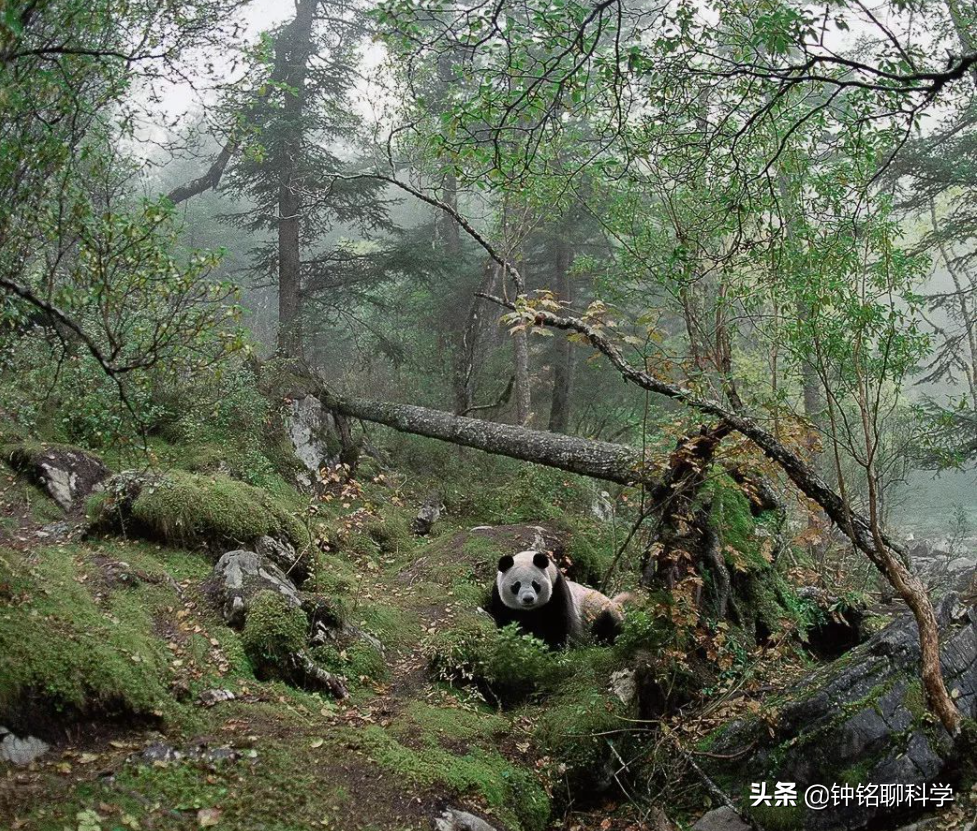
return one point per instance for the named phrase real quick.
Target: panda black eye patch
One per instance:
(515, 588)
(535, 587)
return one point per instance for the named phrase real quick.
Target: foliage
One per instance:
(506, 666)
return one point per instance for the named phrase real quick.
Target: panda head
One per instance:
(525, 581)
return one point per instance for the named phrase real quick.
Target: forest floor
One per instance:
(114, 651)
(395, 754)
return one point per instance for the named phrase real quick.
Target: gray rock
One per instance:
(721, 819)
(283, 555)
(241, 575)
(311, 429)
(20, 752)
(624, 685)
(429, 514)
(211, 697)
(67, 474)
(861, 716)
(455, 820)
(54, 531)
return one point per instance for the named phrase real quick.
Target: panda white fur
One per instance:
(531, 591)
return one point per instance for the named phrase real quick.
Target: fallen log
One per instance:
(587, 457)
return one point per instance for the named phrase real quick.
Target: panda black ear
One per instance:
(506, 562)
(541, 561)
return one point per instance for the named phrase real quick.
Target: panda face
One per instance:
(525, 581)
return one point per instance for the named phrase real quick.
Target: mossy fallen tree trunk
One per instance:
(587, 457)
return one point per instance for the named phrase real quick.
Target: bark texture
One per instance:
(601, 460)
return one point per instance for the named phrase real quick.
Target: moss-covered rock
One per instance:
(191, 509)
(66, 473)
(859, 720)
(275, 631)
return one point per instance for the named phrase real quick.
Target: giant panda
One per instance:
(531, 591)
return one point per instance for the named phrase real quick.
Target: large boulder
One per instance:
(67, 474)
(241, 576)
(312, 431)
(859, 721)
(187, 509)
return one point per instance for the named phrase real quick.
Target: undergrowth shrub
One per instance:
(504, 665)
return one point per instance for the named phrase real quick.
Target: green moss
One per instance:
(285, 786)
(391, 625)
(357, 662)
(273, 632)
(447, 725)
(914, 700)
(187, 509)
(510, 791)
(779, 817)
(60, 652)
(582, 731)
(333, 576)
(730, 516)
(389, 533)
(589, 556)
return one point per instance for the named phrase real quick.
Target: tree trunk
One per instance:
(468, 350)
(289, 270)
(681, 532)
(599, 459)
(562, 347)
(212, 176)
(520, 352)
(297, 48)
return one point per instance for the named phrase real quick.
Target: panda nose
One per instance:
(527, 599)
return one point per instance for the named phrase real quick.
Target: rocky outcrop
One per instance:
(312, 431)
(241, 575)
(860, 721)
(67, 474)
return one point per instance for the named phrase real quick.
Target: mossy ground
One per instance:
(120, 634)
